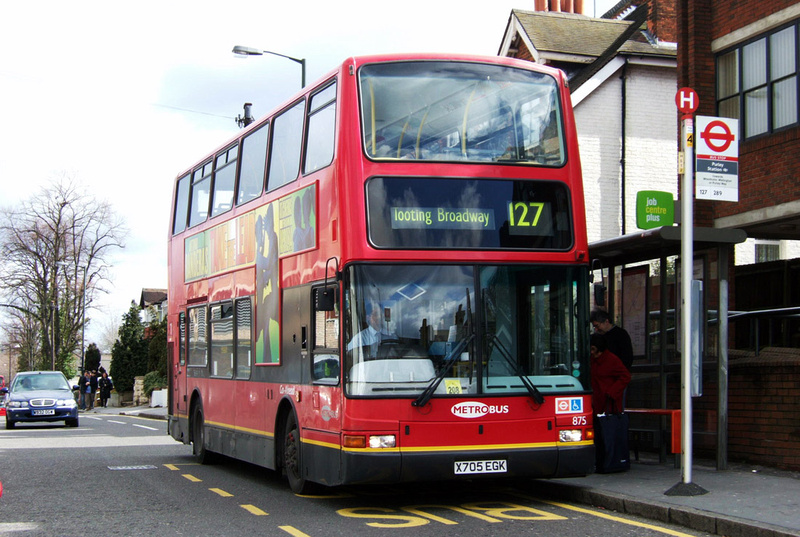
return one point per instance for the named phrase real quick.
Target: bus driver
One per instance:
(371, 335)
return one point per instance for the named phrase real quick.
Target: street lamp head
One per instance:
(246, 51)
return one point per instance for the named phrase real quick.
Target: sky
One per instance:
(123, 96)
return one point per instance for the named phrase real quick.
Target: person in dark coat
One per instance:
(105, 386)
(82, 383)
(91, 393)
(619, 341)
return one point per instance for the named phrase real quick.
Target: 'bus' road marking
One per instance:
(621, 520)
(293, 531)
(222, 493)
(253, 510)
(144, 427)
(192, 478)
(491, 511)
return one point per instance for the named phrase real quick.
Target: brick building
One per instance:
(742, 59)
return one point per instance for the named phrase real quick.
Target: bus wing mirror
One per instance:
(325, 298)
(599, 294)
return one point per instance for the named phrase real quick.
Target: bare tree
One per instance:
(56, 247)
(107, 332)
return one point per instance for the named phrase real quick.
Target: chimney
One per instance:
(559, 6)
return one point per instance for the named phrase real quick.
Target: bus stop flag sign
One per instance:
(717, 159)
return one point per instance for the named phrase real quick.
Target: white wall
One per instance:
(651, 152)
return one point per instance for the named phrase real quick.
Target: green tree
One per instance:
(129, 354)
(92, 359)
(157, 347)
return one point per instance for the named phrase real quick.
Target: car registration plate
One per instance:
(481, 467)
(44, 412)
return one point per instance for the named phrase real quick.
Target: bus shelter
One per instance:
(640, 271)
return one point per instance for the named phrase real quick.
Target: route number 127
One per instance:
(524, 214)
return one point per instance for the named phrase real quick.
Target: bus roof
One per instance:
(358, 61)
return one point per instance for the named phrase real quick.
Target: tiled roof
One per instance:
(152, 296)
(579, 35)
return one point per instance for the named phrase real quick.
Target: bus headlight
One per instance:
(570, 435)
(382, 441)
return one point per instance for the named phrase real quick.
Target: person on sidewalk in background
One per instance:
(609, 375)
(83, 382)
(105, 386)
(619, 341)
(91, 393)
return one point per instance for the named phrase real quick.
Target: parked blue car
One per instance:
(36, 396)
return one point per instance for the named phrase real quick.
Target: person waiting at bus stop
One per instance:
(619, 341)
(609, 375)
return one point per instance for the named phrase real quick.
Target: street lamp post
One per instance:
(83, 318)
(249, 51)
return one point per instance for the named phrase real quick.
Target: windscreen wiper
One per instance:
(426, 395)
(536, 395)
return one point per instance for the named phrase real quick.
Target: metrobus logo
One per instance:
(476, 409)
(569, 405)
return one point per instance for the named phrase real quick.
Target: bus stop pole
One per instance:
(685, 487)
(687, 264)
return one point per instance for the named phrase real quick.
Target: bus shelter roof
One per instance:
(662, 241)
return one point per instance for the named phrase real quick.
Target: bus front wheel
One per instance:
(292, 457)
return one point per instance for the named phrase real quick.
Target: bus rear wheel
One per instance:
(292, 458)
(201, 454)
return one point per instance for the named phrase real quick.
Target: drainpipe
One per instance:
(623, 148)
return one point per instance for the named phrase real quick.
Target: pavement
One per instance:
(740, 501)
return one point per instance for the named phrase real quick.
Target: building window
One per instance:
(767, 251)
(757, 82)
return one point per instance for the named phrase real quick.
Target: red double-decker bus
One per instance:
(386, 280)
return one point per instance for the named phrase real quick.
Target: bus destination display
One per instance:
(524, 218)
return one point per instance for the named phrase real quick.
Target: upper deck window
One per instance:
(224, 178)
(201, 194)
(254, 165)
(181, 204)
(321, 130)
(459, 111)
(287, 141)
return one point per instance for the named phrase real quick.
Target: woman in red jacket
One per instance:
(609, 377)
